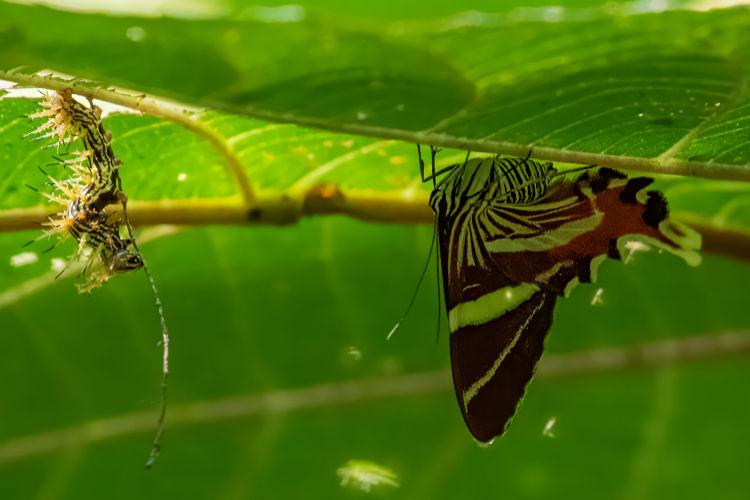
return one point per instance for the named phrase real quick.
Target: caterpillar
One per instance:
(93, 186)
(88, 196)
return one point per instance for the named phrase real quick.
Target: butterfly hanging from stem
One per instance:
(513, 236)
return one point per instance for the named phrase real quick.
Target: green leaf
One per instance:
(660, 91)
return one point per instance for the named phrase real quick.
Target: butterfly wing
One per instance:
(505, 265)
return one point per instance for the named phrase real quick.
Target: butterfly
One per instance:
(514, 235)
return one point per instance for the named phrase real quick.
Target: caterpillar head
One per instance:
(125, 260)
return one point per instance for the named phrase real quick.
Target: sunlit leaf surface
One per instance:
(626, 81)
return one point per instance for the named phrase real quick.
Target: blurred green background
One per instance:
(281, 375)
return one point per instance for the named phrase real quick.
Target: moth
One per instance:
(514, 235)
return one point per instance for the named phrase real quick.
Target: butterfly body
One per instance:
(513, 237)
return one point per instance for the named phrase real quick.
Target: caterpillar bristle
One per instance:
(37, 138)
(57, 199)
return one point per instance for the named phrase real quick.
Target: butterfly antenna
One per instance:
(419, 283)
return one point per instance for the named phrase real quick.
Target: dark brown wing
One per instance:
(505, 265)
(493, 362)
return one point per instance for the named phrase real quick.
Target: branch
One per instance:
(180, 114)
(279, 208)
(186, 116)
(723, 241)
(649, 355)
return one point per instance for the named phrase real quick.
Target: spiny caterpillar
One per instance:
(88, 195)
(93, 186)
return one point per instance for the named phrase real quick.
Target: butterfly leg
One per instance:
(421, 163)
(433, 152)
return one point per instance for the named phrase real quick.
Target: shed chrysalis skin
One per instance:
(513, 237)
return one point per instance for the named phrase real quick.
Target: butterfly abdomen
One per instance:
(522, 181)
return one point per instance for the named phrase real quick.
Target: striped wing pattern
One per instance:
(504, 265)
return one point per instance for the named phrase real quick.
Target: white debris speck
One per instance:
(717, 104)
(640, 115)
(361, 116)
(181, 177)
(633, 247)
(363, 475)
(354, 353)
(135, 34)
(23, 259)
(597, 297)
(548, 428)
(57, 264)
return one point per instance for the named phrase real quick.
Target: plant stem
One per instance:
(279, 208)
